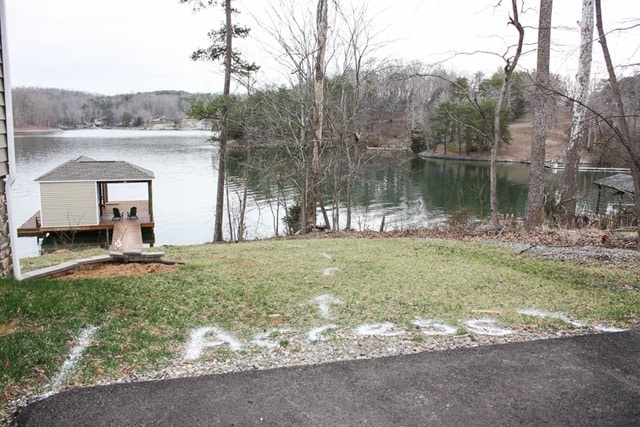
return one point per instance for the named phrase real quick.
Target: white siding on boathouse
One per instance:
(69, 204)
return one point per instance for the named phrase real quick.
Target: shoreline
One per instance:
(550, 164)
(426, 155)
(35, 131)
(46, 131)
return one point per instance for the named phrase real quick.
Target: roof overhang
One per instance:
(87, 169)
(619, 182)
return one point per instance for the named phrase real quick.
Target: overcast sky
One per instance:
(126, 46)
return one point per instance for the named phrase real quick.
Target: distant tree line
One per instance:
(399, 105)
(394, 105)
(53, 108)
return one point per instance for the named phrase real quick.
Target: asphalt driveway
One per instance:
(588, 380)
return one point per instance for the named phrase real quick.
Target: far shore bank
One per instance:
(43, 131)
(551, 164)
(432, 155)
(35, 131)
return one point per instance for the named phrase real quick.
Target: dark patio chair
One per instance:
(116, 214)
(133, 212)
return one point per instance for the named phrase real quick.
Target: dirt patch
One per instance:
(519, 149)
(102, 271)
(8, 328)
(555, 147)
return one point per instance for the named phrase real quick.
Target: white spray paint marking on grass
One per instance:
(198, 341)
(434, 327)
(385, 329)
(604, 328)
(318, 334)
(487, 327)
(552, 315)
(324, 304)
(83, 340)
(601, 327)
(266, 339)
(327, 256)
(330, 271)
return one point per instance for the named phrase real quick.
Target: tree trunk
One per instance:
(497, 135)
(243, 210)
(535, 199)
(621, 128)
(224, 125)
(576, 137)
(347, 226)
(318, 103)
(232, 236)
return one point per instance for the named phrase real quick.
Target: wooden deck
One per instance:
(125, 207)
(32, 227)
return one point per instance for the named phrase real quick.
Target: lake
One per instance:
(409, 192)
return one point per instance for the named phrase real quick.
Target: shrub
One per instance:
(460, 218)
(292, 219)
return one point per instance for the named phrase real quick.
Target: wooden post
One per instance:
(150, 197)
(105, 191)
(100, 199)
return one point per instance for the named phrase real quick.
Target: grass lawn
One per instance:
(145, 322)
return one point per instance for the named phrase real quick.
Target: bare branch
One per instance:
(618, 30)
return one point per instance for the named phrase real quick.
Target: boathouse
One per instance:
(621, 183)
(75, 197)
(622, 213)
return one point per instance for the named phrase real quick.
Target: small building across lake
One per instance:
(621, 183)
(75, 197)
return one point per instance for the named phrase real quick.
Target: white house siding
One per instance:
(9, 263)
(69, 204)
(4, 160)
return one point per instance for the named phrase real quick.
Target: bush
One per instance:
(553, 209)
(292, 219)
(460, 218)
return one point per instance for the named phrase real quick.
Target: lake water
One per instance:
(407, 191)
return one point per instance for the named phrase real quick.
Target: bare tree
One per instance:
(508, 71)
(313, 197)
(535, 198)
(572, 159)
(289, 23)
(343, 104)
(619, 123)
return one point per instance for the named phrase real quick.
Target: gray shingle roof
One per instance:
(621, 182)
(87, 169)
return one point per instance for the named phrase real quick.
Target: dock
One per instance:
(556, 166)
(33, 226)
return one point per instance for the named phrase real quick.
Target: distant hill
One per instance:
(45, 108)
